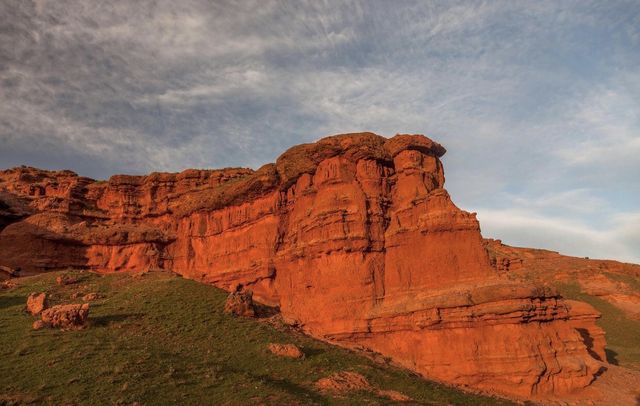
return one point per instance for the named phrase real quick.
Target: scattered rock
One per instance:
(240, 304)
(286, 350)
(70, 316)
(90, 297)
(393, 395)
(7, 284)
(344, 381)
(75, 295)
(39, 324)
(36, 303)
(66, 280)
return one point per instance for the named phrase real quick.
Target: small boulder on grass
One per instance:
(240, 304)
(346, 381)
(36, 303)
(8, 284)
(90, 297)
(67, 317)
(286, 350)
(38, 325)
(343, 381)
(66, 280)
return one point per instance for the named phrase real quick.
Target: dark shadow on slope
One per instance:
(264, 311)
(599, 373)
(612, 356)
(290, 387)
(313, 352)
(105, 321)
(588, 342)
(10, 301)
(284, 385)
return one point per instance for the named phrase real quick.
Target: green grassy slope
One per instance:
(161, 339)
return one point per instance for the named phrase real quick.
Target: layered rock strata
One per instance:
(354, 238)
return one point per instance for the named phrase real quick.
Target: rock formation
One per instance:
(240, 304)
(68, 316)
(608, 280)
(36, 303)
(346, 381)
(286, 350)
(354, 238)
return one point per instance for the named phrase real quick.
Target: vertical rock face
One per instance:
(353, 237)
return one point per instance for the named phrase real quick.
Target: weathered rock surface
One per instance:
(346, 381)
(613, 281)
(68, 317)
(355, 239)
(240, 304)
(66, 280)
(36, 303)
(38, 325)
(89, 297)
(343, 381)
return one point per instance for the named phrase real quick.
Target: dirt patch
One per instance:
(345, 381)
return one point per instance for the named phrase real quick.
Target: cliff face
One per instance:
(353, 237)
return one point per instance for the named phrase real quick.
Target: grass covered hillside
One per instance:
(161, 339)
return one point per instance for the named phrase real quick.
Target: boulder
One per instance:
(36, 303)
(66, 280)
(240, 304)
(38, 325)
(8, 284)
(346, 381)
(90, 297)
(286, 350)
(67, 317)
(343, 381)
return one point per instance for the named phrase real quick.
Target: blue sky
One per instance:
(537, 102)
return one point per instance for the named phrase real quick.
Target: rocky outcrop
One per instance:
(240, 304)
(66, 317)
(353, 237)
(612, 281)
(36, 303)
(286, 350)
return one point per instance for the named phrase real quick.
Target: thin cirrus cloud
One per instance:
(537, 102)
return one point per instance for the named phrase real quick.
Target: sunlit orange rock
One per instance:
(36, 303)
(608, 280)
(68, 316)
(353, 237)
(286, 350)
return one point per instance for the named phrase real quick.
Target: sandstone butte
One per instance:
(353, 237)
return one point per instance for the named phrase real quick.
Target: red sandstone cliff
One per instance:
(353, 237)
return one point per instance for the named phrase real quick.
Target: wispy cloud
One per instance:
(537, 101)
